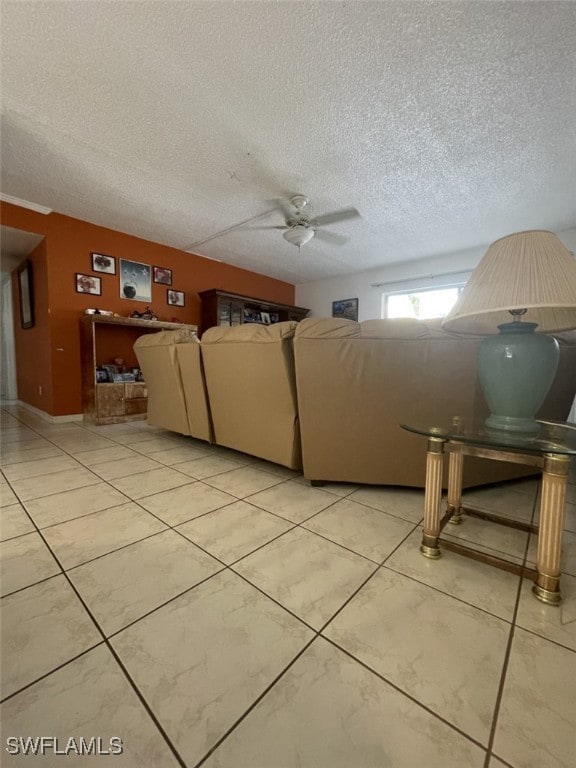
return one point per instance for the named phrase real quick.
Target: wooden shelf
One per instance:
(134, 322)
(107, 402)
(225, 308)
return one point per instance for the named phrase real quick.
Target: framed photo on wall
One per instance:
(346, 308)
(135, 281)
(103, 263)
(175, 298)
(162, 275)
(26, 293)
(88, 284)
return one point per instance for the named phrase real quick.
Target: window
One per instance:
(421, 304)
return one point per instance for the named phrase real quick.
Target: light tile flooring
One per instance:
(212, 609)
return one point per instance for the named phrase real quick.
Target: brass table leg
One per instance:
(554, 480)
(455, 468)
(432, 496)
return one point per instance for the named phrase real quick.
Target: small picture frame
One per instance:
(175, 298)
(251, 316)
(110, 371)
(88, 284)
(103, 263)
(265, 318)
(26, 294)
(345, 308)
(162, 275)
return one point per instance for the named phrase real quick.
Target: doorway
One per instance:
(15, 246)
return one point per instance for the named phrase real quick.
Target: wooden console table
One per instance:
(112, 403)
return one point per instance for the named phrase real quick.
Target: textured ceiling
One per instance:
(446, 125)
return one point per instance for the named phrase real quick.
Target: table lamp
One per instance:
(532, 277)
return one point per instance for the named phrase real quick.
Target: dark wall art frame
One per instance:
(26, 294)
(346, 308)
(101, 262)
(162, 275)
(175, 298)
(88, 284)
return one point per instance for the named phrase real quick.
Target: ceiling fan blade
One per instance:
(332, 218)
(330, 237)
(270, 226)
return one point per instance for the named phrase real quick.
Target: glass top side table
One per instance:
(549, 450)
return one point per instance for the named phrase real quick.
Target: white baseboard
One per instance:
(48, 417)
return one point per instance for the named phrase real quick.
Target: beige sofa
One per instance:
(252, 390)
(172, 367)
(329, 394)
(357, 382)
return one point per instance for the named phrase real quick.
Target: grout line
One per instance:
(86, 514)
(371, 576)
(174, 528)
(137, 691)
(254, 704)
(112, 551)
(274, 600)
(548, 639)
(46, 495)
(504, 762)
(383, 511)
(34, 584)
(225, 567)
(51, 672)
(146, 706)
(448, 594)
(126, 673)
(405, 693)
(508, 651)
(229, 567)
(165, 603)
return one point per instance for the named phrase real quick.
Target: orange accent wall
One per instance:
(66, 251)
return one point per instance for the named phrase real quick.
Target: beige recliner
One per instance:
(194, 385)
(357, 382)
(171, 364)
(251, 386)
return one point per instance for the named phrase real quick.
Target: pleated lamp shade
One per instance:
(527, 270)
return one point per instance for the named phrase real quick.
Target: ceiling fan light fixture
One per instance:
(298, 235)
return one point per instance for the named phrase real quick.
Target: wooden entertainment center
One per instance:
(225, 308)
(102, 339)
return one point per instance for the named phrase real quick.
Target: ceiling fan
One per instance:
(299, 228)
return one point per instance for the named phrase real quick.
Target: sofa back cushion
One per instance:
(194, 387)
(252, 390)
(357, 382)
(156, 353)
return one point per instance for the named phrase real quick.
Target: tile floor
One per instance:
(212, 609)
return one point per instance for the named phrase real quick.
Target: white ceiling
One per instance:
(445, 124)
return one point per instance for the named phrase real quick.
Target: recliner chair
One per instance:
(175, 401)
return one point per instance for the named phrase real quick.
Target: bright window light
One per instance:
(423, 305)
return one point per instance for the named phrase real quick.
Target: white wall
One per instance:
(319, 294)
(8, 389)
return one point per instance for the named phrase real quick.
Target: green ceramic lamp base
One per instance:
(516, 370)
